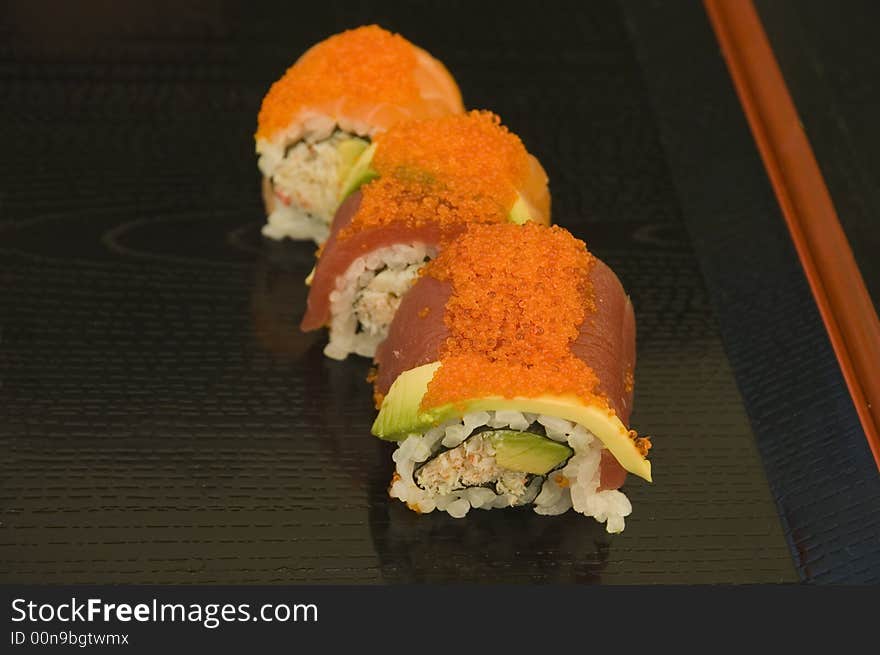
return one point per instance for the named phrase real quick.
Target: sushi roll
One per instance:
(322, 114)
(507, 379)
(417, 186)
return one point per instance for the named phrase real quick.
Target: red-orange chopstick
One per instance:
(821, 245)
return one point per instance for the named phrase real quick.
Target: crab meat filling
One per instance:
(309, 175)
(472, 464)
(376, 303)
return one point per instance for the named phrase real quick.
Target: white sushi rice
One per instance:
(580, 475)
(367, 296)
(308, 174)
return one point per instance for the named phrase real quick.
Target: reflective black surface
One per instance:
(164, 421)
(818, 463)
(831, 64)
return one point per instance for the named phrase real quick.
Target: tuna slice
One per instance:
(338, 254)
(606, 343)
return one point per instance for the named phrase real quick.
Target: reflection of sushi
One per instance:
(320, 116)
(506, 379)
(434, 177)
(488, 547)
(277, 291)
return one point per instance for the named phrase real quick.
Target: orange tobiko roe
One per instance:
(364, 65)
(473, 152)
(519, 296)
(445, 171)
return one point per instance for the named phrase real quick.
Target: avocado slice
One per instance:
(349, 152)
(359, 172)
(520, 212)
(401, 414)
(527, 452)
(401, 411)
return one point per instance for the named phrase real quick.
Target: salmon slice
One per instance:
(361, 94)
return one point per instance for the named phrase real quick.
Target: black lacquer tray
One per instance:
(162, 419)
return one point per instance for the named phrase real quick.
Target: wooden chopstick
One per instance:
(824, 252)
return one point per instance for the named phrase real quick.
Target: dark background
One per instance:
(163, 421)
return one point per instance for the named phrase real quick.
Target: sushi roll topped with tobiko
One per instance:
(507, 379)
(418, 185)
(321, 115)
